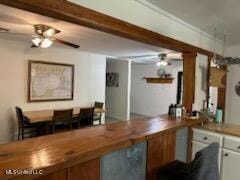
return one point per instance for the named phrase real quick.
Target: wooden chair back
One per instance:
(64, 116)
(86, 116)
(20, 117)
(98, 104)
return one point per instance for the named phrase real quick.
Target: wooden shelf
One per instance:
(158, 80)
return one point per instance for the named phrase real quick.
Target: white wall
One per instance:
(118, 98)
(233, 100)
(89, 86)
(144, 14)
(152, 99)
(233, 77)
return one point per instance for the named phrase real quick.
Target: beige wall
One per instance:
(89, 80)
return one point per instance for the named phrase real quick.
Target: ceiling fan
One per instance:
(161, 59)
(44, 36)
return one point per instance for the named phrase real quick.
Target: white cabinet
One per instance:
(229, 152)
(197, 146)
(202, 139)
(230, 165)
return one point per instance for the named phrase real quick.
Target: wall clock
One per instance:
(237, 88)
(161, 72)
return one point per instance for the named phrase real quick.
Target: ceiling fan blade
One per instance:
(4, 29)
(144, 61)
(67, 43)
(140, 57)
(13, 33)
(168, 55)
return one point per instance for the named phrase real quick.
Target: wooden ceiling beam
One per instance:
(70, 12)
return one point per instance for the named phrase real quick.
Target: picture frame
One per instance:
(112, 79)
(50, 81)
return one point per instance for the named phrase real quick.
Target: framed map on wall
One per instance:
(49, 81)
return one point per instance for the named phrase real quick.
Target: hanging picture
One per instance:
(112, 80)
(49, 81)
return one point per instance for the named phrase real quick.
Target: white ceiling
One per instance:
(207, 14)
(20, 21)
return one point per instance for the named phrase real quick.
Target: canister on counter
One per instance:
(178, 110)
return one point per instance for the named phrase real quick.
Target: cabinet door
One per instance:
(197, 146)
(230, 165)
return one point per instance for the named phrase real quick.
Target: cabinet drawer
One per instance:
(232, 143)
(206, 137)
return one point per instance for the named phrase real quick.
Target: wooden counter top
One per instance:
(228, 129)
(54, 152)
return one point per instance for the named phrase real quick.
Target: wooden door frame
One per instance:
(74, 13)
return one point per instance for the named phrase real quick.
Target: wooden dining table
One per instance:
(47, 115)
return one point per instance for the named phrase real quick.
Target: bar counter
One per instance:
(73, 154)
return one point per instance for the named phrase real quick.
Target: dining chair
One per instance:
(61, 119)
(24, 127)
(85, 117)
(98, 116)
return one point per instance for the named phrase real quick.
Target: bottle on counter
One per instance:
(219, 114)
(171, 110)
(178, 110)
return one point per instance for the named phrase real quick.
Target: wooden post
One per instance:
(189, 67)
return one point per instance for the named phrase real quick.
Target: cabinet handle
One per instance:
(226, 155)
(205, 138)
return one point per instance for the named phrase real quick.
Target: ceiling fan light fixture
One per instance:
(46, 43)
(36, 41)
(49, 33)
(161, 63)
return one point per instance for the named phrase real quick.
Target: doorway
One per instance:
(118, 82)
(153, 99)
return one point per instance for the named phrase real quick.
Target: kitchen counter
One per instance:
(228, 129)
(52, 153)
